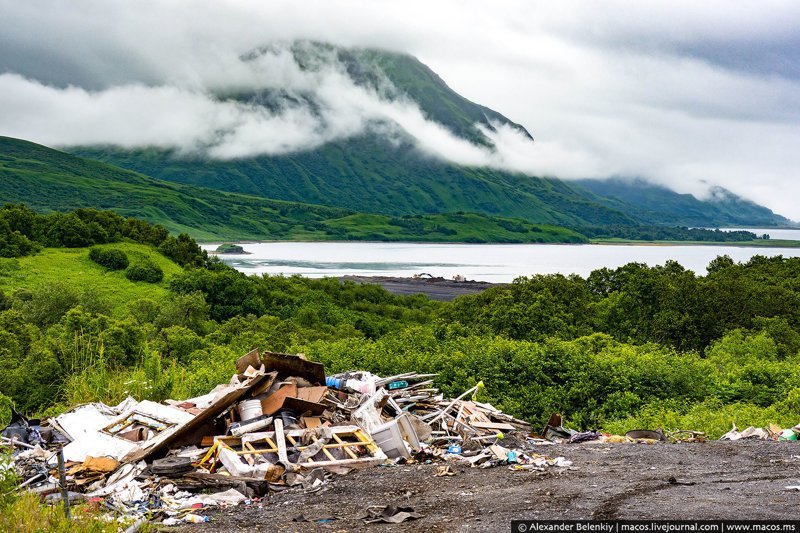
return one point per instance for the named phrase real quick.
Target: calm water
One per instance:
(482, 262)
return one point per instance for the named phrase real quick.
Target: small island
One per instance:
(228, 248)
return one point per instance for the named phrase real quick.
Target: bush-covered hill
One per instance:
(372, 174)
(655, 204)
(49, 180)
(623, 348)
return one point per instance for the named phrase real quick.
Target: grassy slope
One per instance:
(432, 94)
(466, 227)
(47, 179)
(369, 174)
(73, 267)
(655, 204)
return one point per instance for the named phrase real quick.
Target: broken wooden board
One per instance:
(302, 407)
(311, 422)
(312, 394)
(217, 407)
(273, 403)
(293, 366)
(499, 426)
(252, 358)
(265, 385)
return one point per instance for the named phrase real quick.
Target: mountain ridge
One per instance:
(371, 173)
(663, 206)
(49, 180)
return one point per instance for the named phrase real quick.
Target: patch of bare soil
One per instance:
(714, 480)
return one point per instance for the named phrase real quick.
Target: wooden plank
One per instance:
(265, 385)
(311, 422)
(251, 358)
(303, 406)
(346, 449)
(273, 403)
(493, 425)
(212, 411)
(283, 457)
(312, 394)
(353, 463)
(293, 366)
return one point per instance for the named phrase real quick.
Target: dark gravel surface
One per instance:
(714, 480)
(443, 290)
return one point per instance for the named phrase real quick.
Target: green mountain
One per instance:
(372, 172)
(49, 180)
(387, 174)
(658, 205)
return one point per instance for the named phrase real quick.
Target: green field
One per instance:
(72, 267)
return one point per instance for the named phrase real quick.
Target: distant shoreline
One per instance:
(777, 243)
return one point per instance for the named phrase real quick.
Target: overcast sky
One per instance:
(682, 93)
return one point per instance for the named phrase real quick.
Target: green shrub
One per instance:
(144, 270)
(111, 258)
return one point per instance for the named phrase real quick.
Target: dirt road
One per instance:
(714, 480)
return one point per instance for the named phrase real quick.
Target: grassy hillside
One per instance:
(370, 174)
(73, 268)
(457, 227)
(654, 204)
(50, 180)
(373, 173)
(377, 174)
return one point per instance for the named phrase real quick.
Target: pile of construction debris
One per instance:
(279, 423)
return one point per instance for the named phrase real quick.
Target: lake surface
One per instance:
(499, 263)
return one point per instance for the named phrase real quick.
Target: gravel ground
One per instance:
(714, 480)
(443, 290)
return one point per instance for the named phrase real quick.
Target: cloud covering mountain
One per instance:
(681, 94)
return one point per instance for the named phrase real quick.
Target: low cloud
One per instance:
(304, 108)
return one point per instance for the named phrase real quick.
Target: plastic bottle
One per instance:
(394, 385)
(195, 519)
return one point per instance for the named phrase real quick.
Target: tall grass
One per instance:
(27, 514)
(154, 378)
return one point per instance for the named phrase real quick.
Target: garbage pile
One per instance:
(771, 432)
(279, 423)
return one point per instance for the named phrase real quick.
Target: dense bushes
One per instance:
(110, 258)
(665, 304)
(23, 232)
(144, 270)
(635, 346)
